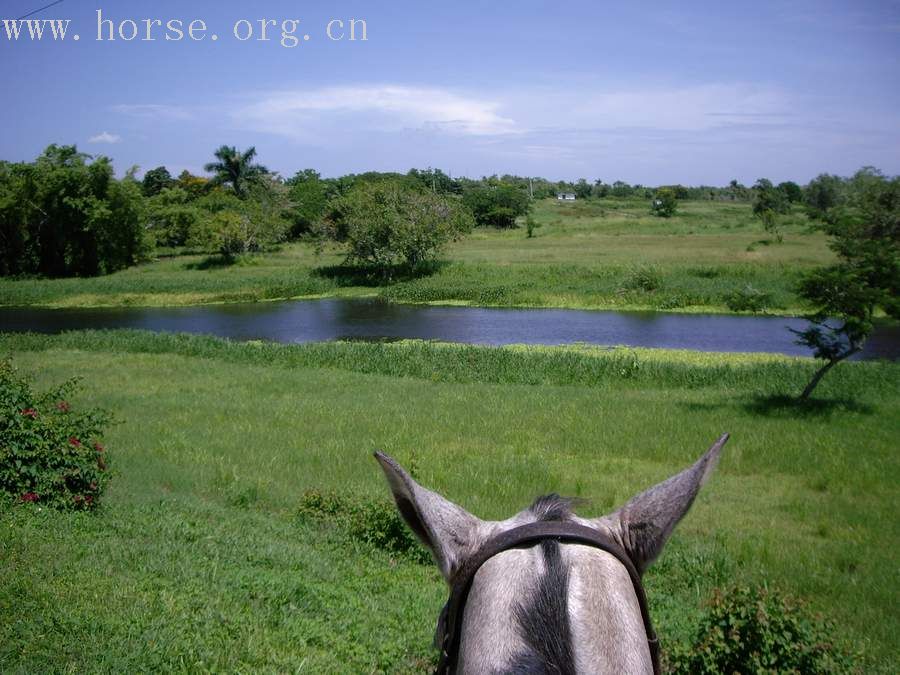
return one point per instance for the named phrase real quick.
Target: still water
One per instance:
(315, 320)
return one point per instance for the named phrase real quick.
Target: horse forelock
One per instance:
(552, 507)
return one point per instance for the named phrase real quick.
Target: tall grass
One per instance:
(584, 366)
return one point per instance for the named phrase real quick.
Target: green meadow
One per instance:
(593, 254)
(200, 560)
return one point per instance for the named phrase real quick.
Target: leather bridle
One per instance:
(530, 534)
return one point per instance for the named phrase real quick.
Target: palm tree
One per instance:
(235, 168)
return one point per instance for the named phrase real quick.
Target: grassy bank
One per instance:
(598, 254)
(199, 561)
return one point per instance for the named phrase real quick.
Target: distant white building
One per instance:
(565, 196)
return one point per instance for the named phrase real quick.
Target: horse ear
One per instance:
(447, 529)
(645, 523)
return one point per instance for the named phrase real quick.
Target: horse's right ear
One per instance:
(644, 524)
(447, 529)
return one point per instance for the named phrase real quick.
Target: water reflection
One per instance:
(318, 320)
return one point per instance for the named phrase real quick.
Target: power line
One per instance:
(25, 16)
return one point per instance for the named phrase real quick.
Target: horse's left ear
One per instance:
(644, 524)
(447, 529)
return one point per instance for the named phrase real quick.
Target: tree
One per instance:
(621, 189)
(664, 203)
(194, 186)
(823, 193)
(497, 206)
(386, 225)
(65, 214)
(235, 169)
(582, 189)
(309, 196)
(233, 226)
(172, 217)
(156, 180)
(737, 191)
(791, 191)
(768, 204)
(866, 238)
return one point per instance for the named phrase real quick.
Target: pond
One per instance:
(369, 319)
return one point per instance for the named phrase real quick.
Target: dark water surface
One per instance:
(316, 320)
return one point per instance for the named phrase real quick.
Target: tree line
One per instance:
(66, 214)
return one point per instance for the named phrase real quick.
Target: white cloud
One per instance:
(105, 137)
(153, 111)
(303, 114)
(692, 108)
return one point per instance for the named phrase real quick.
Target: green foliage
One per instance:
(385, 225)
(582, 189)
(497, 205)
(748, 299)
(531, 225)
(822, 194)
(235, 169)
(768, 203)
(232, 226)
(791, 191)
(436, 180)
(755, 630)
(646, 278)
(309, 196)
(49, 453)
(865, 233)
(64, 215)
(172, 218)
(665, 203)
(156, 180)
(194, 186)
(373, 522)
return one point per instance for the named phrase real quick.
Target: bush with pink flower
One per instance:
(50, 452)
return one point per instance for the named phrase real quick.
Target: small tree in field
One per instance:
(866, 237)
(386, 225)
(665, 203)
(769, 202)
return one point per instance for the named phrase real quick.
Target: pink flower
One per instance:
(99, 447)
(63, 406)
(89, 500)
(74, 442)
(30, 412)
(29, 497)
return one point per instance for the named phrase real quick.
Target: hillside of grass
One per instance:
(200, 559)
(594, 254)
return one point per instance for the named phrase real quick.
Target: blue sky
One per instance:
(653, 92)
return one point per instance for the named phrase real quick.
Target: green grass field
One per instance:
(584, 255)
(198, 561)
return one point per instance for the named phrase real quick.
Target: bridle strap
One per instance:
(562, 531)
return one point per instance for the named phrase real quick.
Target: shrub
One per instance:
(49, 453)
(232, 226)
(386, 225)
(376, 523)
(754, 630)
(748, 299)
(497, 205)
(644, 278)
(665, 203)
